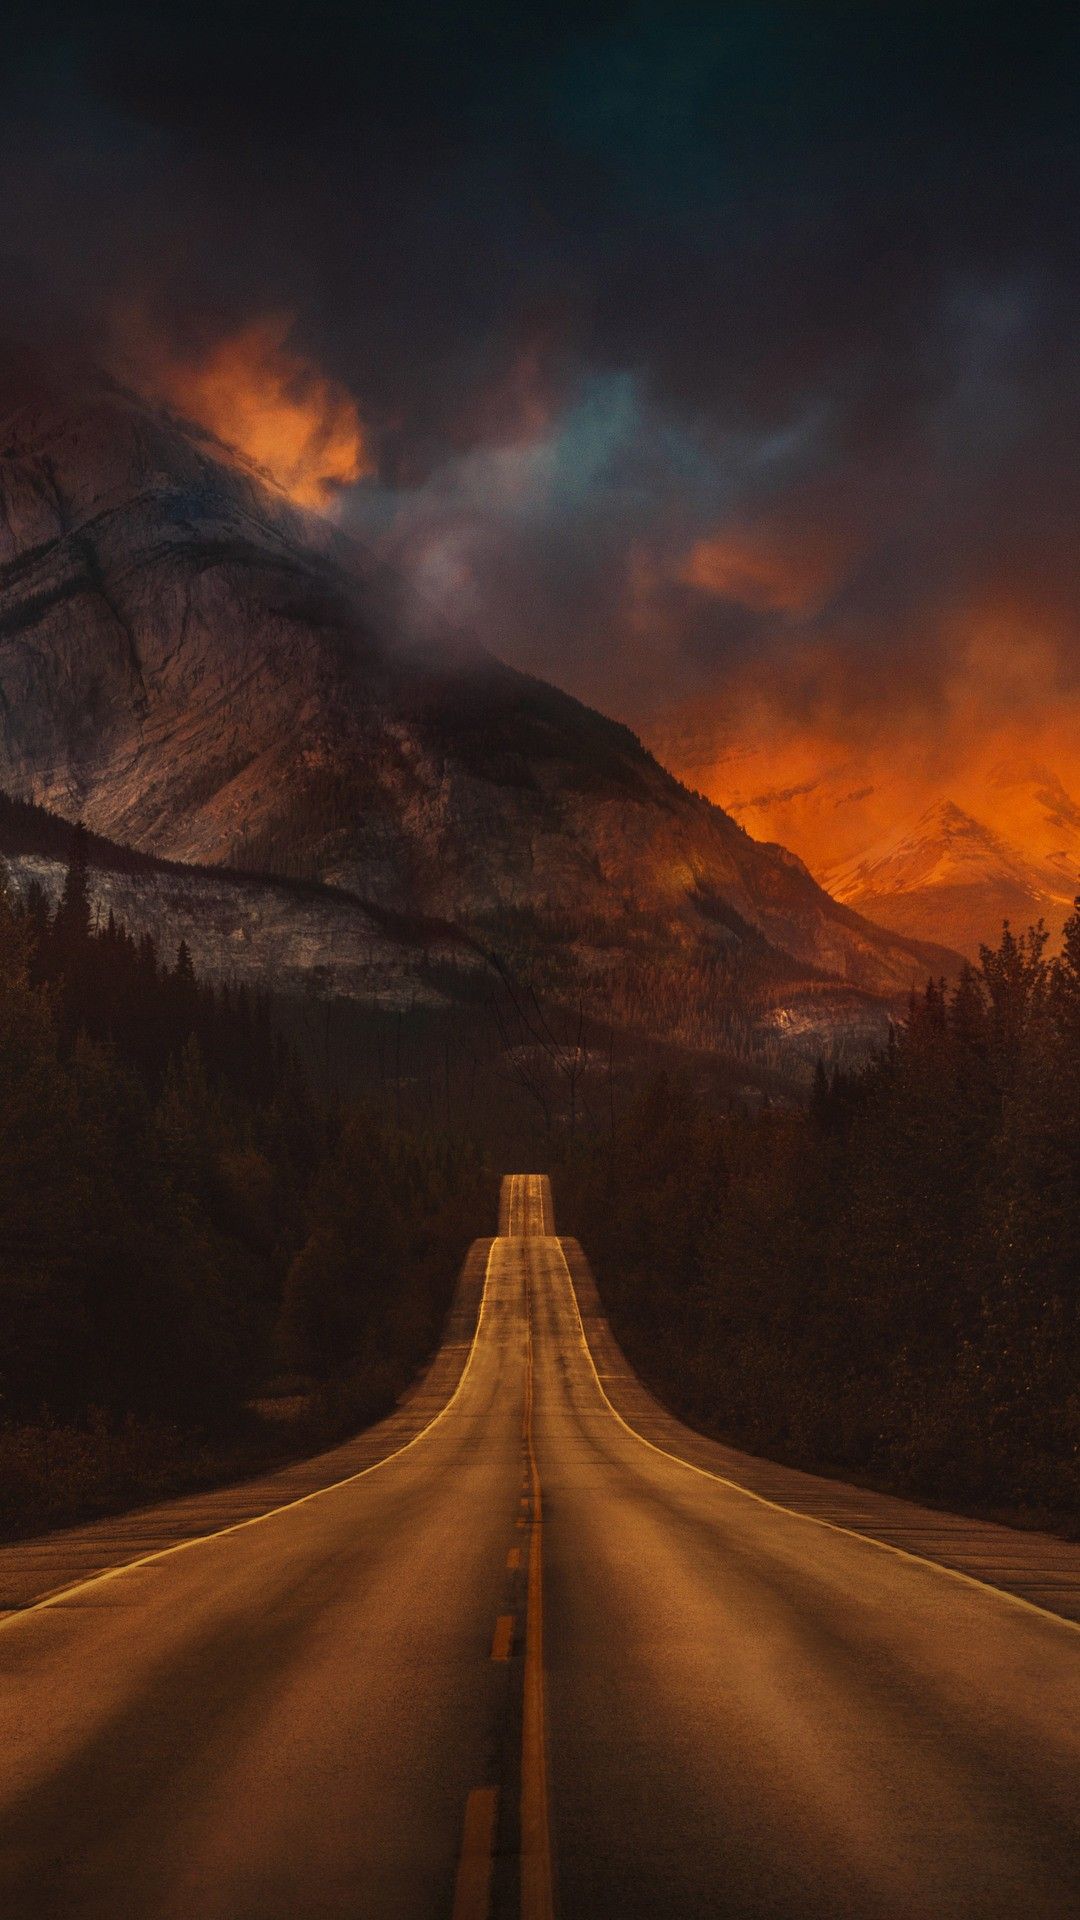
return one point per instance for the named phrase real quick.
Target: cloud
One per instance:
(720, 364)
(256, 393)
(765, 569)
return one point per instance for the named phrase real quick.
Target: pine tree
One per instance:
(72, 924)
(42, 1196)
(185, 971)
(819, 1094)
(1065, 983)
(36, 910)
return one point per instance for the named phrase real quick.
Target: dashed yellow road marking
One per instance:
(513, 1560)
(503, 1638)
(472, 1888)
(537, 1880)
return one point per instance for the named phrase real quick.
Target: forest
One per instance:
(883, 1282)
(184, 1222)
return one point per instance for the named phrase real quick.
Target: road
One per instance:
(532, 1663)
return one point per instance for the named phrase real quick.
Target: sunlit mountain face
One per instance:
(911, 837)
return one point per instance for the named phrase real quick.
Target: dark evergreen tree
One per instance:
(71, 929)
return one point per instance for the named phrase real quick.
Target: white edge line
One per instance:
(812, 1519)
(61, 1594)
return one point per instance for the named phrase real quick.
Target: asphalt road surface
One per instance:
(533, 1663)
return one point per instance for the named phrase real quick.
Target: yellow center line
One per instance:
(472, 1888)
(537, 1891)
(513, 1560)
(503, 1638)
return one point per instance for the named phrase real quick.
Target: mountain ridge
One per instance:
(952, 870)
(199, 668)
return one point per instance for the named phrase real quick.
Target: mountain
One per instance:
(200, 670)
(999, 838)
(952, 874)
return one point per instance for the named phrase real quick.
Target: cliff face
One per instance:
(195, 667)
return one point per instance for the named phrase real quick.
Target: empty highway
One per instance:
(533, 1661)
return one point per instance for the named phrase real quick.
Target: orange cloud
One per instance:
(265, 399)
(762, 568)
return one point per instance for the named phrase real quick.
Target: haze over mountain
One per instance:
(1003, 843)
(199, 668)
(955, 874)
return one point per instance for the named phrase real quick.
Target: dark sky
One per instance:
(695, 347)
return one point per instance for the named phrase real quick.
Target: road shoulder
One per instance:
(31, 1569)
(1038, 1567)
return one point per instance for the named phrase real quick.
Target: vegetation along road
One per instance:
(536, 1651)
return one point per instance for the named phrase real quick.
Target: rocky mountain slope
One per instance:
(297, 937)
(196, 668)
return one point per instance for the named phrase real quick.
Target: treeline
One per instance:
(888, 1281)
(180, 1219)
(699, 991)
(26, 828)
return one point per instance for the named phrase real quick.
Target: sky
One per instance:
(718, 362)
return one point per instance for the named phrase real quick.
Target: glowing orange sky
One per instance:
(836, 779)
